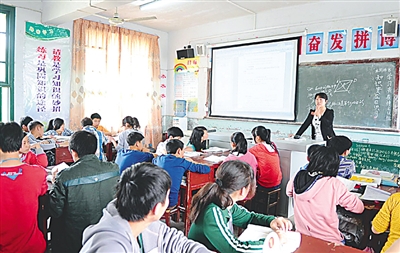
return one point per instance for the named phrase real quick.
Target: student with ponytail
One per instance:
(129, 125)
(269, 175)
(214, 211)
(239, 151)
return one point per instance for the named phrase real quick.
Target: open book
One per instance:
(375, 194)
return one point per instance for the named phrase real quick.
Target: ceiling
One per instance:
(179, 14)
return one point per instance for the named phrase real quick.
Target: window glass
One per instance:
(5, 104)
(3, 43)
(2, 72)
(3, 22)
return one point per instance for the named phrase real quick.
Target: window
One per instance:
(7, 31)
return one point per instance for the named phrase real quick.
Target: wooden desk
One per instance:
(62, 154)
(310, 244)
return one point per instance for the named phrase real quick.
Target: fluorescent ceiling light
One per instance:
(153, 5)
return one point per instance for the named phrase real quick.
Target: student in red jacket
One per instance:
(31, 158)
(269, 173)
(20, 187)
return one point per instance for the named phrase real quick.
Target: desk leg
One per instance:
(187, 209)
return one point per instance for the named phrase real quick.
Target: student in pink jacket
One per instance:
(317, 192)
(240, 152)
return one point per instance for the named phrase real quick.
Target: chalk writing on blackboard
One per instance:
(375, 157)
(361, 94)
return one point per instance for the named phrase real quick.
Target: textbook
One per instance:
(372, 180)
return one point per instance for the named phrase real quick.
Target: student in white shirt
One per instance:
(172, 133)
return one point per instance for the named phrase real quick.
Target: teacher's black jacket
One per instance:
(326, 125)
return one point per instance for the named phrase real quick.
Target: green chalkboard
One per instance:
(361, 94)
(375, 157)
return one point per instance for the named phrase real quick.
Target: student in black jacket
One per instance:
(321, 120)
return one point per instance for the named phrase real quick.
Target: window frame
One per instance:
(9, 61)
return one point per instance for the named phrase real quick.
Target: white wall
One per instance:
(315, 17)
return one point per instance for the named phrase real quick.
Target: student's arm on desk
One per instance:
(196, 167)
(382, 219)
(347, 200)
(39, 157)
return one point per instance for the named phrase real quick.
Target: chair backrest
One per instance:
(275, 193)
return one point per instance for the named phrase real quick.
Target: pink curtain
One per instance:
(116, 73)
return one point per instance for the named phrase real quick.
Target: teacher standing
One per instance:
(321, 120)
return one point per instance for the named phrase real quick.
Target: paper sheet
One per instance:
(375, 194)
(215, 149)
(215, 159)
(192, 154)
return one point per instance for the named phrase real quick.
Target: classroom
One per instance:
(200, 66)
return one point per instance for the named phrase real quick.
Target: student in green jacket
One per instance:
(214, 211)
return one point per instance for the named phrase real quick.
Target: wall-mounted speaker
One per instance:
(185, 53)
(390, 27)
(201, 50)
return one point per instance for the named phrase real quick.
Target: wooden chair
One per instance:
(264, 201)
(170, 212)
(175, 211)
(275, 203)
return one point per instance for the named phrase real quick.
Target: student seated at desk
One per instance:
(80, 193)
(96, 118)
(32, 158)
(58, 128)
(388, 218)
(20, 187)
(269, 175)
(135, 153)
(172, 133)
(25, 122)
(342, 145)
(316, 193)
(129, 125)
(214, 211)
(36, 131)
(197, 139)
(240, 152)
(130, 223)
(87, 125)
(176, 166)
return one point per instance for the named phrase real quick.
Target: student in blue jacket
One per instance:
(176, 166)
(135, 154)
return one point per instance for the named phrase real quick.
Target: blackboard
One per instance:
(362, 94)
(375, 157)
